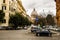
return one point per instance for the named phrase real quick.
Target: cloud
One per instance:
(39, 4)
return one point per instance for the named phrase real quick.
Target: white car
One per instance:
(2, 28)
(34, 28)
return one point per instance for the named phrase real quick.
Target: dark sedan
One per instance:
(43, 33)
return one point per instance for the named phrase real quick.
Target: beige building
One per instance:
(16, 6)
(4, 5)
(11, 6)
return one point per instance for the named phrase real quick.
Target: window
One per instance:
(3, 7)
(3, 1)
(12, 0)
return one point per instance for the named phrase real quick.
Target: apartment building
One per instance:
(4, 5)
(10, 6)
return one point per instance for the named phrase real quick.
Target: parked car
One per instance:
(52, 28)
(34, 28)
(25, 27)
(43, 33)
(9, 28)
(2, 28)
(18, 28)
(57, 29)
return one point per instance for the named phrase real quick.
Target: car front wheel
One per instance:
(36, 34)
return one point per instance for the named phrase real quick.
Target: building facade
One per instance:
(58, 12)
(4, 5)
(11, 6)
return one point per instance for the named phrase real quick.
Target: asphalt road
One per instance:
(22, 35)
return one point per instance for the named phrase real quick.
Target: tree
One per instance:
(18, 20)
(42, 21)
(26, 21)
(15, 20)
(2, 15)
(50, 20)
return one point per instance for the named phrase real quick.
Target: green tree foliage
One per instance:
(2, 14)
(18, 19)
(50, 20)
(42, 21)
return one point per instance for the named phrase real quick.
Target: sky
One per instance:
(39, 5)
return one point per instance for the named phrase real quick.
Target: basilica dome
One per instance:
(34, 13)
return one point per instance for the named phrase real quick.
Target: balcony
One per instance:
(3, 4)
